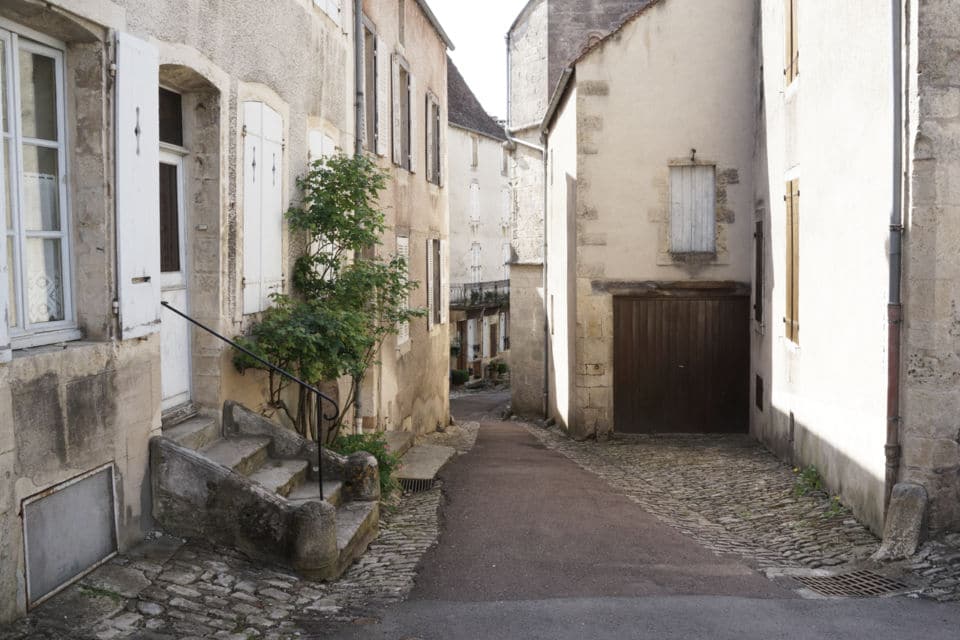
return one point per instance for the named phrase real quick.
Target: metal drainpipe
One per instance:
(358, 150)
(895, 307)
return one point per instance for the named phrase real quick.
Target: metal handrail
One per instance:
(320, 396)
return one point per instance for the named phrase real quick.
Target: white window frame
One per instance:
(27, 334)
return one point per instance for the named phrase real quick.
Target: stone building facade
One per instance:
(545, 37)
(97, 95)
(480, 232)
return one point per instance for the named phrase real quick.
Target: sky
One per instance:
(477, 31)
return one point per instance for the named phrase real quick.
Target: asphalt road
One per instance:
(532, 546)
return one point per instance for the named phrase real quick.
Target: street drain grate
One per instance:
(415, 485)
(859, 584)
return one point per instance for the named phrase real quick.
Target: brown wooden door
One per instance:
(681, 365)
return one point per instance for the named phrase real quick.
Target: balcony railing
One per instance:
(480, 294)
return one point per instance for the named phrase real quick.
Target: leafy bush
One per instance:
(808, 481)
(376, 445)
(459, 376)
(502, 367)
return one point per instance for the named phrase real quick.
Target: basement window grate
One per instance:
(859, 584)
(416, 485)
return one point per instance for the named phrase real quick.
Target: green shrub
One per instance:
(502, 367)
(376, 445)
(808, 481)
(459, 376)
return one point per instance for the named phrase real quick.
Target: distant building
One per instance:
(480, 231)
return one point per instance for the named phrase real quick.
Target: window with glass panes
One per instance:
(33, 187)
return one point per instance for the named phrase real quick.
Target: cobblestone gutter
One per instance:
(167, 589)
(733, 496)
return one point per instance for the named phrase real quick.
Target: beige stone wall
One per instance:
(825, 399)
(410, 389)
(527, 348)
(527, 62)
(930, 436)
(639, 109)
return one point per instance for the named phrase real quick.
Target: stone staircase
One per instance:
(253, 485)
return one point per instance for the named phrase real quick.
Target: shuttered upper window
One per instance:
(262, 205)
(403, 251)
(432, 142)
(693, 209)
(791, 52)
(370, 82)
(35, 290)
(792, 259)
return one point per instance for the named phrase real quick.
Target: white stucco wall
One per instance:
(831, 129)
(479, 206)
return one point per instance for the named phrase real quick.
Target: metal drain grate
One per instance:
(859, 584)
(415, 485)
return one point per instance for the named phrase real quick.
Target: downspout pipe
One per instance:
(894, 306)
(358, 150)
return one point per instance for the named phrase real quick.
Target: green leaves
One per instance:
(346, 300)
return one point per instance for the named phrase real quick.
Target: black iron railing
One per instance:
(319, 396)
(480, 294)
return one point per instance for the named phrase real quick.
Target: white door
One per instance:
(174, 330)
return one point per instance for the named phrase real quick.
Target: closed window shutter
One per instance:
(138, 187)
(429, 283)
(383, 99)
(403, 250)
(271, 208)
(315, 145)
(444, 281)
(692, 209)
(795, 235)
(6, 354)
(414, 124)
(395, 94)
(252, 186)
(428, 137)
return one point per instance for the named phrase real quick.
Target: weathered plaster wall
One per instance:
(410, 389)
(561, 263)
(527, 348)
(930, 435)
(639, 108)
(831, 129)
(490, 198)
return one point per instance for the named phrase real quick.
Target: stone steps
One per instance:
(281, 476)
(308, 491)
(244, 455)
(194, 433)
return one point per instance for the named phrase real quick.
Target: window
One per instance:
(401, 19)
(692, 209)
(792, 317)
(474, 151)
(476, 268)
(474, 202)
(403, 91)
(433, 130)
(791, 56)
(33, 194)
(504, 161)
(438, 295)
(371, 131)
(262, 205)
(403, 251)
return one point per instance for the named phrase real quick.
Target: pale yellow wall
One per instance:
(831, 129)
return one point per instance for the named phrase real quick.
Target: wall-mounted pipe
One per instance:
(358, 73)
(894, 306)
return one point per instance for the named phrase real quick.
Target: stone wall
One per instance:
(930, 436)
(526, 339)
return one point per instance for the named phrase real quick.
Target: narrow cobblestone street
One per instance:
(538, 525)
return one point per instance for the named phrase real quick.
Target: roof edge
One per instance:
(558, 94)
(476, 131)
(626, 21)
(436, 24)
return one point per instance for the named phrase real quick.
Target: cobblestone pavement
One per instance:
(733, 496)
(170, 589)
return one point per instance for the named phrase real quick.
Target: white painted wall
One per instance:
(831, 129)
(479, 206)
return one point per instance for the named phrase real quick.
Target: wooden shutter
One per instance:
(438, 146)
(271, 208)
(444, 281)
(429, 283)
(252, 186)
(692, 209)
(138, 186)
(6, 353)
(428, 137)
(314, 144)
(383, 99)
(397, 128)
(403, 249)
(791, 53)
(413, 123)
(794, 41)
(758, 271)
(792, 318)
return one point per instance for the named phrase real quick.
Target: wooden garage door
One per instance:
(681, 364)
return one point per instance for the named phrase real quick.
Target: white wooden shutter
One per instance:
(428, 136)
(315, 144)
(138, 186)
(414, 123)
(403, 249)
(429, 284)
(692, 209)
(6, 354)
(329, 146)
(252, 164)
(444, 281)
(271, 216)
(395, 94)
(383, 98)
